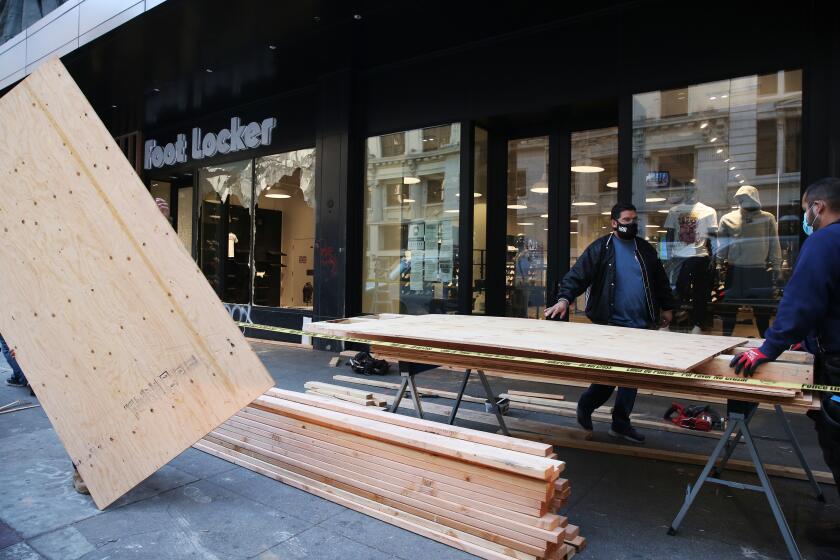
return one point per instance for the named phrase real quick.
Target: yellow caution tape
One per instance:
(560, 363)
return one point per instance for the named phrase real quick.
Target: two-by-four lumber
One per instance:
(329, 388)
(455, 432)
(347, 398)
(369, 506)
(550, 396)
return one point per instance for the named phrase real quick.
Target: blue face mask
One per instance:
(806, 227)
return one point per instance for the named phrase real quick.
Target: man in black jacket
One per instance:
(627, 287)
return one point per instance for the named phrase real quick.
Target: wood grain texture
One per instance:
(549, 339)
(131, 353)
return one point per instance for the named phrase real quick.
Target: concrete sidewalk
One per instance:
(204, 508)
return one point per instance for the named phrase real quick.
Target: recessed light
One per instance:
(113, 106)
(410, 200)
(278, 195)
(587, 169)
(524, 223)
(156, 90)
(540, 190)
(516, 207)
(719, 151)
(655, 199)
(208, 70)
(606, 213)
(357, 17)
(543, 215)
(662, 231)
(570, 233)
(732, 168)
(713, 97)
(272, 47)
(704, 125)
(662, 211)
(411, 180)
(713, 139)
(546, 229)
(451, 211)
(727, 160)
(652, 226)
(724, 96)
(475, 195)
(613, 184)
(737, 174)
(584, 203)
(741, 182)
(574, 221)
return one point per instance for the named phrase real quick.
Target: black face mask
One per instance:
(627, 231)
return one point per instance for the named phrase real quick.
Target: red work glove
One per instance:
(748, 361)
(798, 347)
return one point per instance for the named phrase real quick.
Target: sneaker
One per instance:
(79, 484)
(585, 420)
(12, 382)
(630, 435)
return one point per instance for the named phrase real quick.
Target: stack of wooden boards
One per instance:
(343, 393)
(508, 338)
(490, 495)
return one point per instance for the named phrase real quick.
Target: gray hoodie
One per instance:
(749, 236)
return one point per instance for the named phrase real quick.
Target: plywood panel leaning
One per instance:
(131, 353)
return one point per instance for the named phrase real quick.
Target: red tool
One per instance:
(697, 417)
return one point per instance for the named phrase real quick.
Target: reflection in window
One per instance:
(393, 144)
(225, 229)
(527, 227)
(284, 230)
(185, 217)
(479, 259)
(594, 192)
(718, 192)
(411, 224)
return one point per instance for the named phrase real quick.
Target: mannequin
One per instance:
(750, 254)
(522, 270)
(690, 225)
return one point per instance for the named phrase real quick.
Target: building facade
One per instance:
(326, 161)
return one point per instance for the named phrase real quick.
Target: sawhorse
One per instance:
(409, 369)
(738, 424)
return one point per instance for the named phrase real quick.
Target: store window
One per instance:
(284, 230)
(479, 260)
(411, 224)
(527, 227)
(162, 189)
(718, 192)
(225, 229)
(594, 176)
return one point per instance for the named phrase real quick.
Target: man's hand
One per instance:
(748, 361)
(558, 308)
(665, 318)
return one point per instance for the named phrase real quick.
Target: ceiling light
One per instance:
(524, 223)
(732, 168)
(603, 227)
(411, 180)
(727, 160)
(652, 226)
(741, 182)
(543, 215)
(662, 231)
(156, 90)
(735, 207)
(451, 211)
(606, 213)
(208, 70)
(713, 139)
(570, 233)
(475, 195)
(704, 125)
(410, 200)
(613, 184)
(584, 203)
(539, 190)
(357, 17)
(655, 199)
(516, 207)
(541, 186)
(272, 47)
(724, 96)
(278, 195)
(113, 106)
(574, 221)
(719, 151)
(511, 248)
(693, 180)
(663, 211)
(587, 169)
(546, 229)
(713, 97)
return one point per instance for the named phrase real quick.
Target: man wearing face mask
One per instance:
(810, 313)
(627, 287)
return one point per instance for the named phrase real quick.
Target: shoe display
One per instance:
(630, 435)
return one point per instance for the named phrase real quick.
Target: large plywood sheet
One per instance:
(553, 339)
(132, 355)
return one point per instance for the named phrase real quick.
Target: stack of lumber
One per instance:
(348, 394)
(490, 495)
(596, 347)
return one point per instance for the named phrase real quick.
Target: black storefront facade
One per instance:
(451, 159)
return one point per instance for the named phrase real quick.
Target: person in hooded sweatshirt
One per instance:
(750, 254)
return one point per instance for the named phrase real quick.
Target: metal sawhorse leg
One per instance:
(408, 370)
(739, 423)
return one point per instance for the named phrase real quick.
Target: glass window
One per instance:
(393, 144)
(225, 229)
(284, 230)
(479, 260)
(594, 192)
(411, 225)
(185, 217)
(718, 192)
(527, 227)
(162, 189)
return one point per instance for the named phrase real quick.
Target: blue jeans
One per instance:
(17, 373)
(597, 395)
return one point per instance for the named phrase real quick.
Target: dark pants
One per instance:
(597, 395)
(744, 284)
(17, 373)
(693, 285)
(827, 419)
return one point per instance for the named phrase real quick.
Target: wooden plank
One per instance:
(346, 398)
(551, 339)
(782, 471)
(552, 396)
(423, 390)
(525, 487)
(509, 461)
(456, 432)
(329, 388)
(446, 535)
(430, 478)
(132, 354)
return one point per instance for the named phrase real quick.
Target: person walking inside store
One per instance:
(627, 287)
(809, 316)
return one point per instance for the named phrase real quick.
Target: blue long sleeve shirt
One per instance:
(810, 308)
